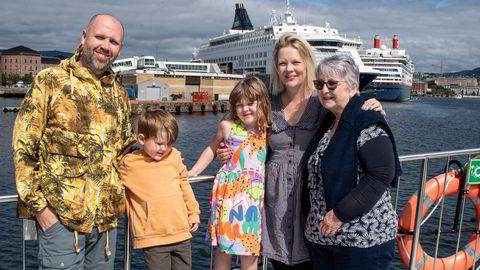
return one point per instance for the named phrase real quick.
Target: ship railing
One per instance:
(426, 159)
(30, 231)
(425, 162)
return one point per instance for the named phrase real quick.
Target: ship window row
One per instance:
(324, 53)
(256, 55)
(324, 43)
(237, 57)
(259, 33)
(387, 69)
(390, 76)
(393, 61)
(389, 79)
(252, 63)
(224, 44)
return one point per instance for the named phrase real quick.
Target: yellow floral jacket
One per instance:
(67, 141)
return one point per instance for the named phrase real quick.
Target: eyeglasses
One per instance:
(331, 84)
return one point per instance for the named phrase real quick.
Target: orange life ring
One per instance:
(434, 189)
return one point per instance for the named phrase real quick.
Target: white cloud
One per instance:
(433, 32)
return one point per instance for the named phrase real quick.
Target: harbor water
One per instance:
(422, 125)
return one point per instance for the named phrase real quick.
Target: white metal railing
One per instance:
(425, 159)
(29, 232)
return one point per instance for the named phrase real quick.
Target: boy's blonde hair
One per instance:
(306, 53)
(252, 89)
(151, 121)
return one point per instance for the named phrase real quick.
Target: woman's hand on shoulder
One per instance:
(373, 104)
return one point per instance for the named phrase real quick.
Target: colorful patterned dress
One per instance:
(237, 196)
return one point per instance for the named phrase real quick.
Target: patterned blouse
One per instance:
(375, 227)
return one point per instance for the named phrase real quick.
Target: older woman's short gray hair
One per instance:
(340, 66)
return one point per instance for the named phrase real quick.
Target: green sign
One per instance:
(474, 172)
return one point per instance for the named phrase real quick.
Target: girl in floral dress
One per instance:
(235, 220)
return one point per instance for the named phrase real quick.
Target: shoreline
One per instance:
(13, 91)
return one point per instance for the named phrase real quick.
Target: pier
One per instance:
(178, 107)
(13, 91)
(173, 107)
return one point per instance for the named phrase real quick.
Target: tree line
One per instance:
(11, 79)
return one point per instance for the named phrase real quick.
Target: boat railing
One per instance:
(425, 160)
(29, 226)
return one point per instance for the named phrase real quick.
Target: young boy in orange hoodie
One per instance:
(161, 206)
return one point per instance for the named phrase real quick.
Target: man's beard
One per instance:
(98, 68)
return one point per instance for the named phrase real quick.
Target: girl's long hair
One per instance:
(252, 89)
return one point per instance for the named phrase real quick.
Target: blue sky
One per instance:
(434, 33)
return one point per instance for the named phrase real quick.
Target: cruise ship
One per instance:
(243, 49)
(396, 71)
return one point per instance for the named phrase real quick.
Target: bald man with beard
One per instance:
(67, 141)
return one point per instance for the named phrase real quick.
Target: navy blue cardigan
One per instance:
(339, 162)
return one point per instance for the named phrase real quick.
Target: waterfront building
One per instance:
(131, 63)
(22, 60)
(465, 90)
(166, 81)
(419, 88)
(463, 82)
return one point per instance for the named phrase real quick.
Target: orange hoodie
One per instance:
(161, 205)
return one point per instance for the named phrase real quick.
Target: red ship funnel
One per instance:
(395, 42)
(376, 42)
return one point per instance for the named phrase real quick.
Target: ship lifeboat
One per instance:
(435, 190)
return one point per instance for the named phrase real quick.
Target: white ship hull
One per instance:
(251, 51)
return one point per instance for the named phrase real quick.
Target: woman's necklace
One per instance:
(332, 129)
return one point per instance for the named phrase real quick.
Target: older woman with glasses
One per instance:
(348, 168)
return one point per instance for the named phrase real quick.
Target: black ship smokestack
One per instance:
(241, 20)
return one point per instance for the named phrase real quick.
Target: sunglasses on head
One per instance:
(331, 84)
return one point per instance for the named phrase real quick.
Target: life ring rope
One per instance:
(436, 189)
(431, 202)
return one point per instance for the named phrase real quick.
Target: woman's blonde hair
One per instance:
(305, 51)
(252, 89)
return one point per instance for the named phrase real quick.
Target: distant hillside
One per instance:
(465, 73)
(58, 54)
